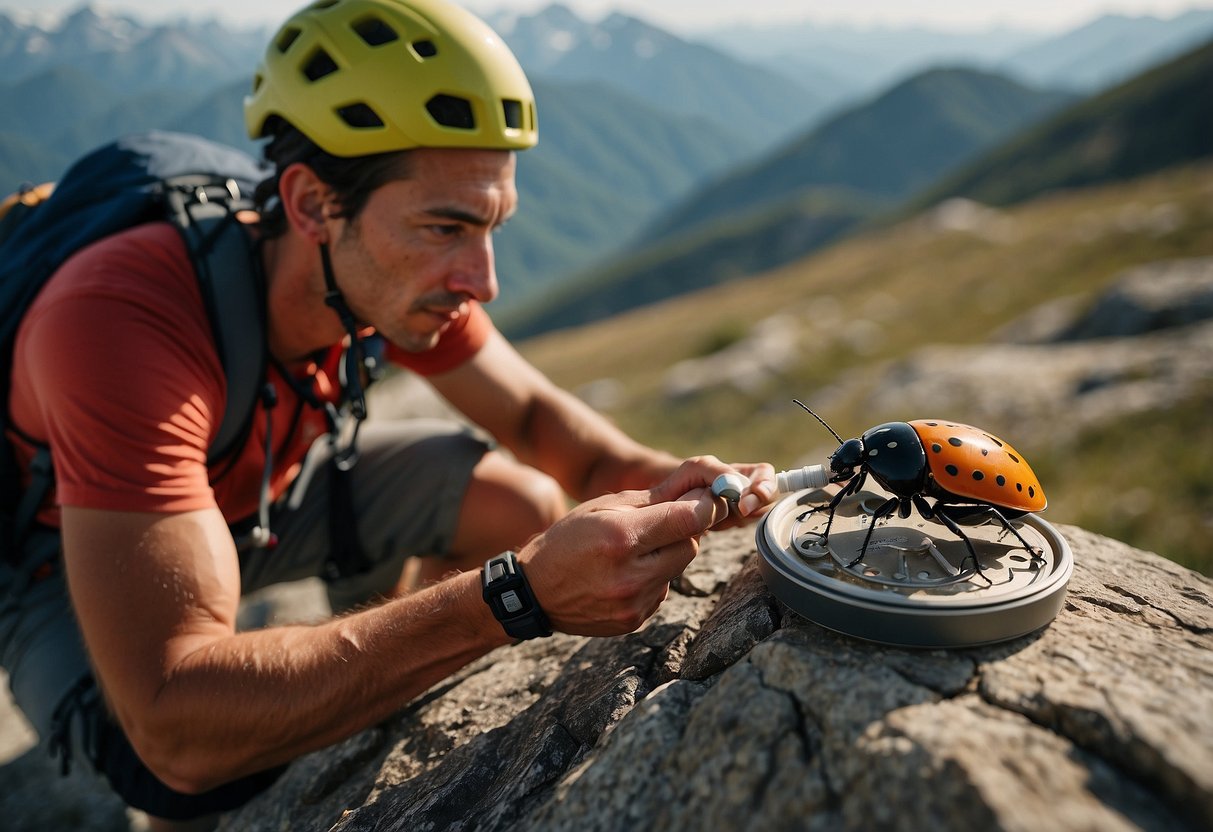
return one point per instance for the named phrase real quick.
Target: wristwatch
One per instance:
(509, 596)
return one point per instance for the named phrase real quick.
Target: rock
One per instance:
(1148, 298)
(33, 797)
(727, 710)
(967, 216)
(770, 347)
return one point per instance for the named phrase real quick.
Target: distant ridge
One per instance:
(887, 147)
(1109, 50)
(1160, 119)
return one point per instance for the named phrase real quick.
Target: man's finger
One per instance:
(662, 523)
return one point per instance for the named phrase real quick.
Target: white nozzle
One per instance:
(798, 479)
(730, 486)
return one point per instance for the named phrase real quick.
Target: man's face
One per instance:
(422, 247)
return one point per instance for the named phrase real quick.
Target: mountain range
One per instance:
(646, 135)
(679, 77)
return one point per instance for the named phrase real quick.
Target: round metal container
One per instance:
(915, 586)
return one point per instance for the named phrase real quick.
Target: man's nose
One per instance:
(475, 274)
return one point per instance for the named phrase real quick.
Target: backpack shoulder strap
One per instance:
(233, 288)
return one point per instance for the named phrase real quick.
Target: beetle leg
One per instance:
(1037, 554)
(942, 514)
(886, 509)
(850, 488)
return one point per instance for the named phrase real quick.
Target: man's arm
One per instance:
(156, 596)
(554, 431)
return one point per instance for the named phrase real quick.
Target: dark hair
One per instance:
(354, 178)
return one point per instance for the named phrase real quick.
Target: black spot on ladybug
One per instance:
(952, 469)
(954, 442)
(1019, 486)
(1000, 479)
(985, 451)
(933, 424)
(1013, 457)
(1031, 491)
(978, 475)
(995, 440)
(936, 447)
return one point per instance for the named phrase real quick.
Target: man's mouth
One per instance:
(447, 315)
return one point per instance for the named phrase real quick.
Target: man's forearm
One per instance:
(250, 701)
(587, 453)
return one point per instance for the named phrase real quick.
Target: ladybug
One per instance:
(966, 470)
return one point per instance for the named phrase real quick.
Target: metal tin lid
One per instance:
(915, 586)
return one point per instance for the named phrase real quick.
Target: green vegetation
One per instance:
(1146, 478)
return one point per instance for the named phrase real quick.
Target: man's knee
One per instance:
(506, 503)
(543, 498)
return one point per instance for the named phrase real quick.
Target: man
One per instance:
(392, 126)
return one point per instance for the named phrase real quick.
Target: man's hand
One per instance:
(756, 494)
(757, 491)
(606, 567)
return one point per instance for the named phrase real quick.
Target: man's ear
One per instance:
(305, 200)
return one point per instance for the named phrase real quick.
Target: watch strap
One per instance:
(509, 596)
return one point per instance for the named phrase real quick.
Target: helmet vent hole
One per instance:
(285, 38)
(319, 65)
(425, 48)
(375, 32)
(359, 116)
(513, 113)
(450, 111)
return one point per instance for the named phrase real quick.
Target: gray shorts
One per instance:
(408, 487)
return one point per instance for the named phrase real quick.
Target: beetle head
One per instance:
(845, 460)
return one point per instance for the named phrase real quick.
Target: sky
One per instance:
(688, 16)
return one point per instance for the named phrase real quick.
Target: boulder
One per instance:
(729, 711)
(1148, 298)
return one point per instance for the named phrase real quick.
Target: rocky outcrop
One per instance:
(1156, 296)
(729, 711)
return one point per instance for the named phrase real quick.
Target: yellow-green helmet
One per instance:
(371, 76)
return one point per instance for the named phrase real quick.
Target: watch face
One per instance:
(511, 602)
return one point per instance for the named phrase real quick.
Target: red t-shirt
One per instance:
(116, 369)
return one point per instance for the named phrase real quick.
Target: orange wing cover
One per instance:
(971, 463)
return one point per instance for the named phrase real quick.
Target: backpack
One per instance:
(196, 184)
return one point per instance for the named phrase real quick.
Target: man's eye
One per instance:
(445, 230)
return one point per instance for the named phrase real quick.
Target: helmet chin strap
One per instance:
(351, 376)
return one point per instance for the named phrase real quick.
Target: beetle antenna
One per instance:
(818, 418)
